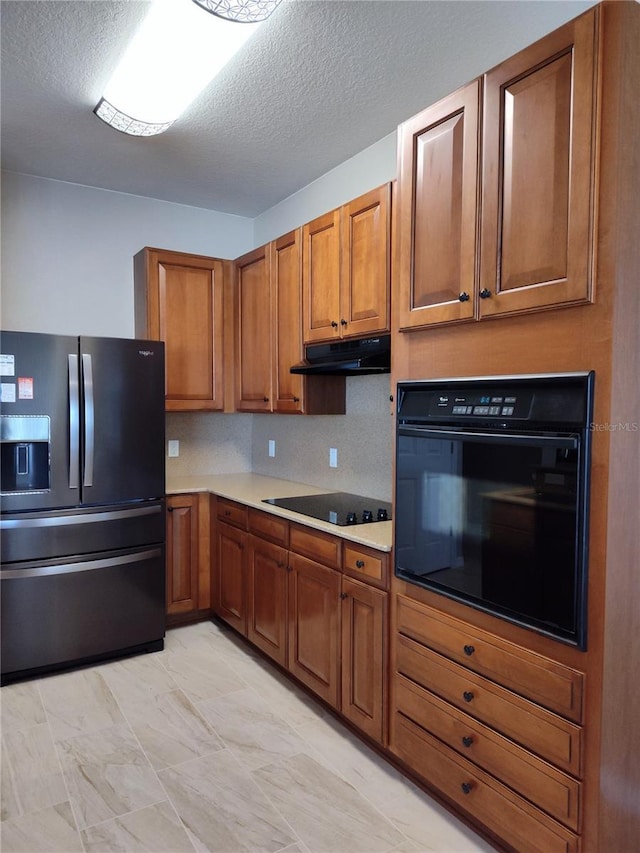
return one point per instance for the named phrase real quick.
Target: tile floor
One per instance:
(201, 747)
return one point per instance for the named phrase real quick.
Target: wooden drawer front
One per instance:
(538, 678)
(510, 817)
(269, 527)
(318, 546)
(549, 736)
(536, 780)
(366, 564)
(232, 513)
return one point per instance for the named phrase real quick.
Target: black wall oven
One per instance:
(492, 490)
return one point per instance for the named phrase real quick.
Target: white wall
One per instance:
(67, 252)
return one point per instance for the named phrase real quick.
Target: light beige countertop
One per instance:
(251, 489)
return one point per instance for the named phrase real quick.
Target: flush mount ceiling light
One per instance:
(176, 52)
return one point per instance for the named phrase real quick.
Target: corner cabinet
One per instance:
(346, 269)
(268, 303)
(179, 300)
(509, 229)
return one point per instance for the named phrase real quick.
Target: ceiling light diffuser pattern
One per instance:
(244, 11)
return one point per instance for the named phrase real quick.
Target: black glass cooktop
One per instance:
(337, 508)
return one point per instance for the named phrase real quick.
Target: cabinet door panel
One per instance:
(182, 554)
(363, 656)
(267, 598)
(253, 344)
(178, 299)
(538, 174)
(286, 287)
(365, 240)
(314, 620)
(438, 188)
(321, 277)
(231, 576)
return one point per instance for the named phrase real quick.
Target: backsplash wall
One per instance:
(210, 443)
(363, 438)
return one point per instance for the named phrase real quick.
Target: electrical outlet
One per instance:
(272, 447)
(173, 447)
(333, 457)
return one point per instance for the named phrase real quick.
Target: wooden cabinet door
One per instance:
(321, 278)
(267, 598)
(182, 554)
(363, 656)
(437, 211)
(538, 176)
(365, 264)
(286, 290)
(253, 338)
(231, 572)
(314, 623)
(178, 300)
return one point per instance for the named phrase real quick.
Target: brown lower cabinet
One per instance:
(285, 588)
(188, 575)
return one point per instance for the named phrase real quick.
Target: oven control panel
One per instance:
(474, 404)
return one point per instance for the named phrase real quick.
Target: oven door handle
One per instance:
(569, 442)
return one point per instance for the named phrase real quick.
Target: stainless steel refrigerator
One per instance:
(82, 500)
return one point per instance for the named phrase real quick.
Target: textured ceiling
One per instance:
(320, 81)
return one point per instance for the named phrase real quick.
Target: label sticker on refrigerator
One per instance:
(7, 365)
(7, 392)
(25, 388)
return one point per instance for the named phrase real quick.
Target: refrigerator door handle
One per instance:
(85, 518)
(87, 380)
(84, 566)
(74, 422)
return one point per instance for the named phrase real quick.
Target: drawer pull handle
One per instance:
(360, 564)
(227, 512)
(467, 696)
(467, 787)
(467, 740)
(469, 650)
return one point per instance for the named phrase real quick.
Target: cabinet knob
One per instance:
(343, 322)
(467, 740)
(467, 787)
(265, 399)
(484, 293)
(469, 650)
(467, 696)
(296, 399)
(334, 325)
(464, 297)
(360, 564)
(343, 595)
(169, 509)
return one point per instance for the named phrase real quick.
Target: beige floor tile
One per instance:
(155, 829)
(138, 678)
(326, 812)
(171, 729)
(107, 775)
(52, 830)
(20, 706)
(79, 702)
(248, 726)
(9, 805)
(33, 769)
(222, 808)
(202, 675)
(358, 764)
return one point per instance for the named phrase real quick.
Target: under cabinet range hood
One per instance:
(347, 358)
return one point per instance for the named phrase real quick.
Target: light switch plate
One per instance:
(173, 447)
(272, 447)
(333, 457)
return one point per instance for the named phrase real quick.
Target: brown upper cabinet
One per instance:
(530, 200)
(346, 262)
(178, 300)
(269, 335)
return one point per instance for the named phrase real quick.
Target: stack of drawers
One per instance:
(491, 725)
